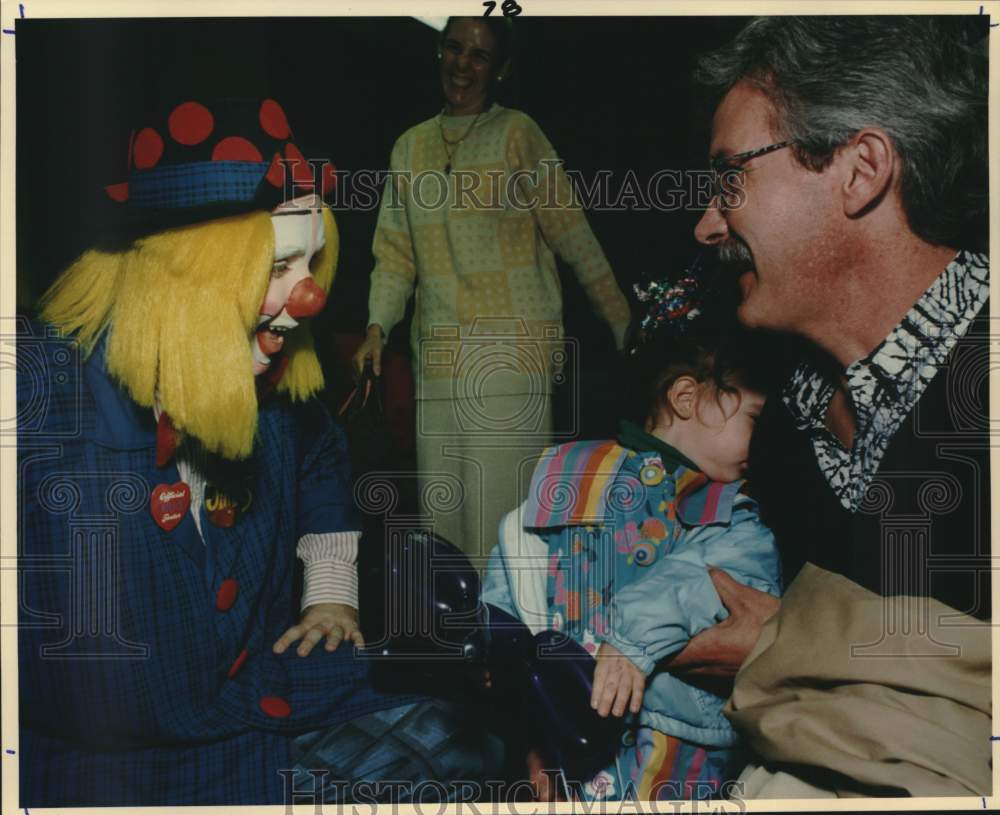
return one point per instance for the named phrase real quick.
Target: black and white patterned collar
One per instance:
(885, 385)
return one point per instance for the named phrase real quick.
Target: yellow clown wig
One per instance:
(180, 308)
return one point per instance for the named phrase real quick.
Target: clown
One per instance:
(155, 661)
(292, 291)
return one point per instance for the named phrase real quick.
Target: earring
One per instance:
(439, 55)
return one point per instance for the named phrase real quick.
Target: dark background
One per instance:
(610, 93)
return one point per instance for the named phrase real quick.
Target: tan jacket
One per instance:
(889, 692)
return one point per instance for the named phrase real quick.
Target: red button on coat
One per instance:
(275, 706)
(227, 594)
(238, 663)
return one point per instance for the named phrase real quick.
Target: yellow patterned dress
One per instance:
(477, 246)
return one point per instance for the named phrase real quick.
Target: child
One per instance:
(627, 530)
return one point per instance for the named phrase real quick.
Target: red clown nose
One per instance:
(307, 299)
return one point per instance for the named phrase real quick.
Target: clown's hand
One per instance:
(370, 349)
(335, 621)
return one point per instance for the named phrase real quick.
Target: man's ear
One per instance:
(683, 397)
(870, 170)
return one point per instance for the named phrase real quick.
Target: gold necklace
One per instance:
(455, 144)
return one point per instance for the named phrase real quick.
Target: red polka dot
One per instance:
(275, 706)
(131, 145)
(227, 594)
(237, 663)
(272, 119)
(118, 192)
(190, 123)
(276, 172)
(236, 148)
(148, 148)
(302, 171)
(329, 177)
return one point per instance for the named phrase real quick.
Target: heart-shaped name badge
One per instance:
(169, 503)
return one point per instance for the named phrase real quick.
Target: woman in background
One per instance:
(475, 208)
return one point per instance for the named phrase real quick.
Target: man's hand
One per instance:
(719, 651)
(371, 349)
(335, 621)
(616, 681)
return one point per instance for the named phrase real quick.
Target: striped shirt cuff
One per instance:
(331, 574)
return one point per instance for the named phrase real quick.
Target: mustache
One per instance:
(734, 252)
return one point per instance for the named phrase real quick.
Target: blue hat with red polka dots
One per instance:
(216, 155)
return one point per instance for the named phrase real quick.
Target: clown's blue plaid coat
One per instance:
(130, 687)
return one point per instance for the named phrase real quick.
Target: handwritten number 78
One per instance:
(510, 8)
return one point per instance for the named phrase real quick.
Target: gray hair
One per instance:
(921, 79)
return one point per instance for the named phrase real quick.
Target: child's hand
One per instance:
(335, 621)
(616, 680)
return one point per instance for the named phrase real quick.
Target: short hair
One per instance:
(502, 29)
(921, 79)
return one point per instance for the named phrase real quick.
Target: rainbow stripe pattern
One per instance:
(570, 484)
(701, 501)
(672, 769)
(654, 766)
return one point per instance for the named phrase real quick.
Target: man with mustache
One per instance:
(851, 160)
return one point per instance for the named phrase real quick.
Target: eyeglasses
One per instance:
(727, 168)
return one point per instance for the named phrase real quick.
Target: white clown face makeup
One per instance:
(292, 293)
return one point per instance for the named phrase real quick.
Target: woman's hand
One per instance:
(370, 349)
(617, 680)
(335, 621)
(721, 650)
